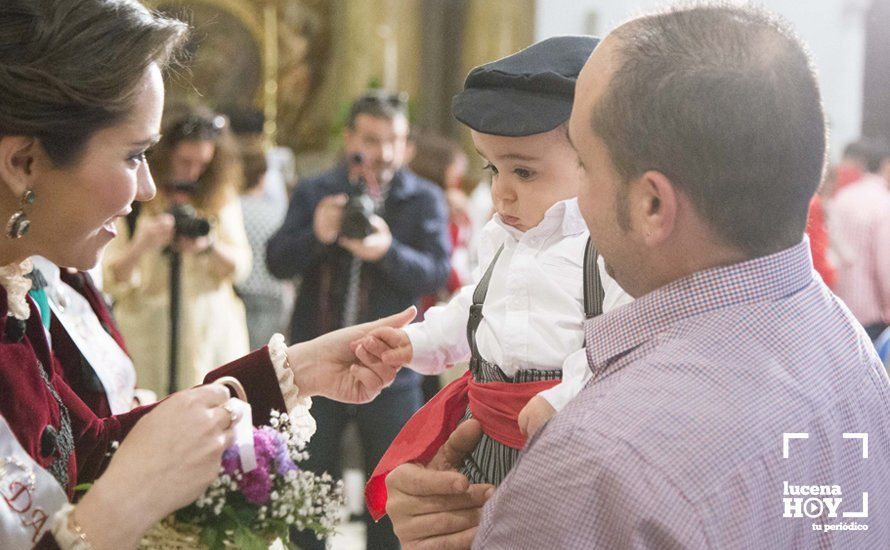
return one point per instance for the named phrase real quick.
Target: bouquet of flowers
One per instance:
(250, 510)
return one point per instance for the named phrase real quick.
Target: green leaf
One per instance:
(247, 540)
(210, 537)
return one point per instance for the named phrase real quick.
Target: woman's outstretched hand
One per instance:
(328, 366)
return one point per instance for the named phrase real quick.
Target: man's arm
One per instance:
(574, 488)
(294, 247)
(424, 268)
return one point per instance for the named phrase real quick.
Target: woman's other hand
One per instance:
(166, 462)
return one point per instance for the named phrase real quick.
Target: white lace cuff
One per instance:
(65, 536)
(297, 406)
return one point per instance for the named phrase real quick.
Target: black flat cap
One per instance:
(527, 93)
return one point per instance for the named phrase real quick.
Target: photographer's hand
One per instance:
(373, 247)
(151, 233)
(328, 217)
(188, 245)
(154, 232)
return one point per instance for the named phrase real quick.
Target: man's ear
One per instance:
(656, 204)
(17, 159)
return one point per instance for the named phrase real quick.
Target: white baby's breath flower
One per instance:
(302, 423)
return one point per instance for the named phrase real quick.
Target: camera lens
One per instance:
(187, 223)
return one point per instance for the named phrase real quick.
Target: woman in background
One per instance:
(197, 166)
(264, 296)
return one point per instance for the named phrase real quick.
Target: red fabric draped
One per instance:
(495, 405)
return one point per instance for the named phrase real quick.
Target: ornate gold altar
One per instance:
(301, 61)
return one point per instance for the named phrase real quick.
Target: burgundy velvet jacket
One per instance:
(29, 407)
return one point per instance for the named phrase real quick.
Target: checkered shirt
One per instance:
(678, 440)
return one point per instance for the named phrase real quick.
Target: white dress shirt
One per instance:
(534, 312)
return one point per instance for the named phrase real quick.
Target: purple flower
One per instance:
(256, 485)
(271, 453)
(281, 455)
(266, 443)
(231, 461)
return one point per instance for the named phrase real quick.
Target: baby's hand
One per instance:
(384, 346)
(534, 415)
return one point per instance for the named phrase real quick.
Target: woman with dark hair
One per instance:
(196, 163)
(263, 295)
(81, 97)
(443, 162)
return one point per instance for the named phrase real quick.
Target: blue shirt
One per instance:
(416, 264)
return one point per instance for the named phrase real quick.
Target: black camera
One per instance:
(187, 223)
(359, 208)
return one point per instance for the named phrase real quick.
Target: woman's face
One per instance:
(76, 207)
(190, 159)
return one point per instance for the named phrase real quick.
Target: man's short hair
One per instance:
(378, 104)
(857, 150)
(724, 101)
(873, 152)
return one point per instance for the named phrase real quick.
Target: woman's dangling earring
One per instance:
(19, 223)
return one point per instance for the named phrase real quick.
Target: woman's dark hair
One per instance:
(69, 68)
(434, 154)
(222, 180)
(255, 166)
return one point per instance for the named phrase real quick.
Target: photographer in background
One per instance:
(196, 213)
(369, 238)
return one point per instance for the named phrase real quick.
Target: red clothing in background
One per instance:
(846, 174)
(819, 242)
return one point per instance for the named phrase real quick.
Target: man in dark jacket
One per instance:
(351, 280)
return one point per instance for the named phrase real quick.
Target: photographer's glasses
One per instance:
(396, 100)
(198, 127)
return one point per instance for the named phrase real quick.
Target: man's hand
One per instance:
(537, 412)
(328, 367)
(373, 247)
(328, 217)
(434, 506)
(384, 346)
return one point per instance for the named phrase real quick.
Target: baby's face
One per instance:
(529, 174)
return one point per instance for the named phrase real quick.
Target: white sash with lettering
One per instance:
(29, 495)
(114, 369)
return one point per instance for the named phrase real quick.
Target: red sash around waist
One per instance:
(495, 405)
